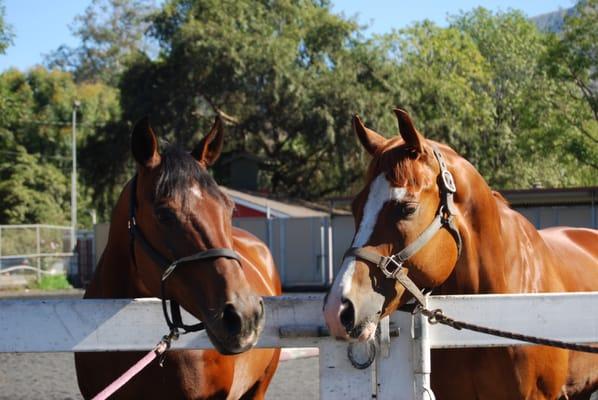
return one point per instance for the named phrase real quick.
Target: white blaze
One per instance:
(380, 193)
(195, 191)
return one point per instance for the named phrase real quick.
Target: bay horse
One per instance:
(174, 210)
(430, 210)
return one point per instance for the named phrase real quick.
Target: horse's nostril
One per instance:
(232, 320)
(347, 314)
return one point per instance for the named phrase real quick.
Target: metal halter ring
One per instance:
(371, 352)
(385, 261)
(435, 316)
(167, 339)
(449, 182)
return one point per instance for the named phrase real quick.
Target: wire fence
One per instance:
(30, 251)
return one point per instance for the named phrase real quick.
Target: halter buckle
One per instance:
(383, 265)
(131, 223)
(448, 181)
(169, 271)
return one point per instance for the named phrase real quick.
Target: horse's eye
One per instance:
(409, 208)
(165, 215)
(406, 210)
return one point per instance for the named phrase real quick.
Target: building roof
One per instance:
(533, 196)
(276, 208)
(541, 196)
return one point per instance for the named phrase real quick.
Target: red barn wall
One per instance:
(245, 212)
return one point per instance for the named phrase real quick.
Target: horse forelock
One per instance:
(401, 166)
(178, 171)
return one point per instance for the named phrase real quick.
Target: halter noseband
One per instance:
(444, 219)
(175, 323)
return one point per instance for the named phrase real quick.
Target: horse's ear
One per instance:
(209, 148)
(144, 144)
(369, 139)
(408, 132)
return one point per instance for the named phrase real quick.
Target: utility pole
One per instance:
(76, 105)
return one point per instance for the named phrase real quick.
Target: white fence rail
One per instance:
(401, 370)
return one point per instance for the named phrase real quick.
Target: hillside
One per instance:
(552, 21)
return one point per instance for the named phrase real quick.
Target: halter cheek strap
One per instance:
(136, 235)
(392, 266)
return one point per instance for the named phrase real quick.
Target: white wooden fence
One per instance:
(402, 367)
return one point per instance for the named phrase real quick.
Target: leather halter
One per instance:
(175, 323)
(444, 219)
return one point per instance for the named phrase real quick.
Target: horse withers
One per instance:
(426, 216)
(173, 214)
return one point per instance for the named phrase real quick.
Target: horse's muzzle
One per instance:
(237, 328)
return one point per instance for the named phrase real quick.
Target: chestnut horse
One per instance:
(177, 210)
(430, 209)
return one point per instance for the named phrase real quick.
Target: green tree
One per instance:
(32, 191)
(519, 146)
(286, 76)
(35, 141)
(6, 34)
(443, 79)
(110, 31)
(573, 61)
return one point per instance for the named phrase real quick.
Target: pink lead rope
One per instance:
(160, 348)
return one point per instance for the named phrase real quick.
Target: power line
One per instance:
(62, 123)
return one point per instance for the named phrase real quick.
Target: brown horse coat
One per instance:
(502, 253)
(187, 374)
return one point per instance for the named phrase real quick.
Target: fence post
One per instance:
(339, 380)
(329, 245)
(322, 258)
(282, 246)
(395, 371)
(422, 364)
(0, 246)
(38, 249)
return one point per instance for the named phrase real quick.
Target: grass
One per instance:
(51, 282)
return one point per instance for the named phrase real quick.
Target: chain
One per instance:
(437, 317)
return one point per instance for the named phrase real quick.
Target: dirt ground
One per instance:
(52, 376)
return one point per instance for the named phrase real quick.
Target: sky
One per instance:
(41, 26)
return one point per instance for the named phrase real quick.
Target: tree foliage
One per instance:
(444, 80)
(109, 31)
(32, 191)
(481, 86)
(573, 61)
(35, 142)
(514, 147)
(5, 31)
(285, 75)
(288, 75)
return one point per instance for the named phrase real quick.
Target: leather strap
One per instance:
(399, 273)
(136, 234)
(444, 219)
(203, 255)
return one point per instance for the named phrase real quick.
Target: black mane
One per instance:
(178, 169)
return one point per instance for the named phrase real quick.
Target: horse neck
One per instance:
(116, 273)
(500, 247)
